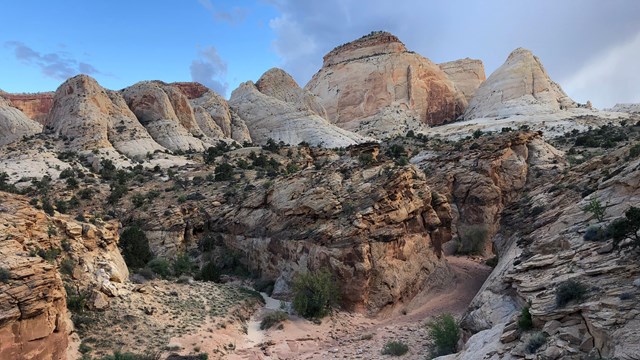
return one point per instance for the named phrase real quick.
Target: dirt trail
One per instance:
(356, 336)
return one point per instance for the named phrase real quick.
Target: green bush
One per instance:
(366, 159)
(595, 233)
(395, 348)
(161, 267)
(67, 265)
(5, 275)
(568, 291)
(224, 172)
(314, 294)
(76, 299)
(49, 254)
(47, 207)
(273, 318)
(444, 331)
(525, 322)
(535, 342)
(131, 356)
(492, 262)
(210, 272)
(477, 133)
(471, 240)
(634, 152)
(135, 247)
(626, 228)
(595, 207)
(182, 265)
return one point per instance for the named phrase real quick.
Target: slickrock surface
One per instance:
(363, 78)
(166, 114)
(521, 86)
(35, 106)
(628, 108)
(217, 120)
(87, 117)
(14, 124)
(268, 117)
(280, 85)
(466, 74)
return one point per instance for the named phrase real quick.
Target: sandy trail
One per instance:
(356, 336)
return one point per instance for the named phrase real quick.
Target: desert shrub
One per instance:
(76, 298)
(182, 265)
(49, 254)
(47, 207)
(395, 348)
(396, 151)
(477, 133)
(213, 152)
(85, 194)
(444, 331)
(138, 200)
(595, 233)
(208, 243)
(5, 275)
(160, 266)
(67, 265)
(537, 210)
(272, 146)
(273, 318)
(492, 262)
(365, 159)
(67, 173)
(135, 247)
(314, 294)
(210, 272)
(535, 342)
(292, 168)
(525, 322)
(264, 285)
(568, 291)
(472, 240)
(625, 228)
(634, 152)
(224, 172)
(4, 183)
(117, 355)
(595, 207)
(117, 192)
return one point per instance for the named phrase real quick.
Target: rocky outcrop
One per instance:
(34, 322)
(268, 117)
(628, 108)
(521, 86)
(378, 230)
(167, 115)
(362, 79)
(280, 85)
(466, 74)
(35, 106)
(191, 90)
(87, 117)
(217, 120)
(14, 124)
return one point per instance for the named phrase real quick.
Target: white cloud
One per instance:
(611, 77)
(210, 70)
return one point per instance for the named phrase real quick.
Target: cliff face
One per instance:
(35, 106)
(372, 84)
(34, 322)
(14, 124)
(467, 75)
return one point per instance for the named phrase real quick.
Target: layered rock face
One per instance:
(34, 322)
(466, 74)
(35, 106)
(287, 115)
(360, 80)
(379, 231)
(14, 124)
(521, 86)
(217, 120)
(90, 117)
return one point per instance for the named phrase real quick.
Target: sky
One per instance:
(590, 47)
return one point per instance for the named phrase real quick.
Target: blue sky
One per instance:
(590, 47)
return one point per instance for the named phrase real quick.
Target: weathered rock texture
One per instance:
(466, 74)
(35, 106)
(379, 231)
(217, 120)
(521, 86)
(166, 114)
(287, 116)
(14, 124)
(362, 79)
(89, 117)
(280, 85)
(34, 322)
(191, 90)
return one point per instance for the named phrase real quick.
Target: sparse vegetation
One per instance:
(395, 348)
(535, 342)
(224, 172)
(132, 356)
(5, 275)
(444, 331)
(314, 294)
(365, 159)
(626, 228)
(570, 290)
(525, 322)
(76, 298)
(273, 318)
(182, 265)
(595, 207)
(596, 233)
(161, 267)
